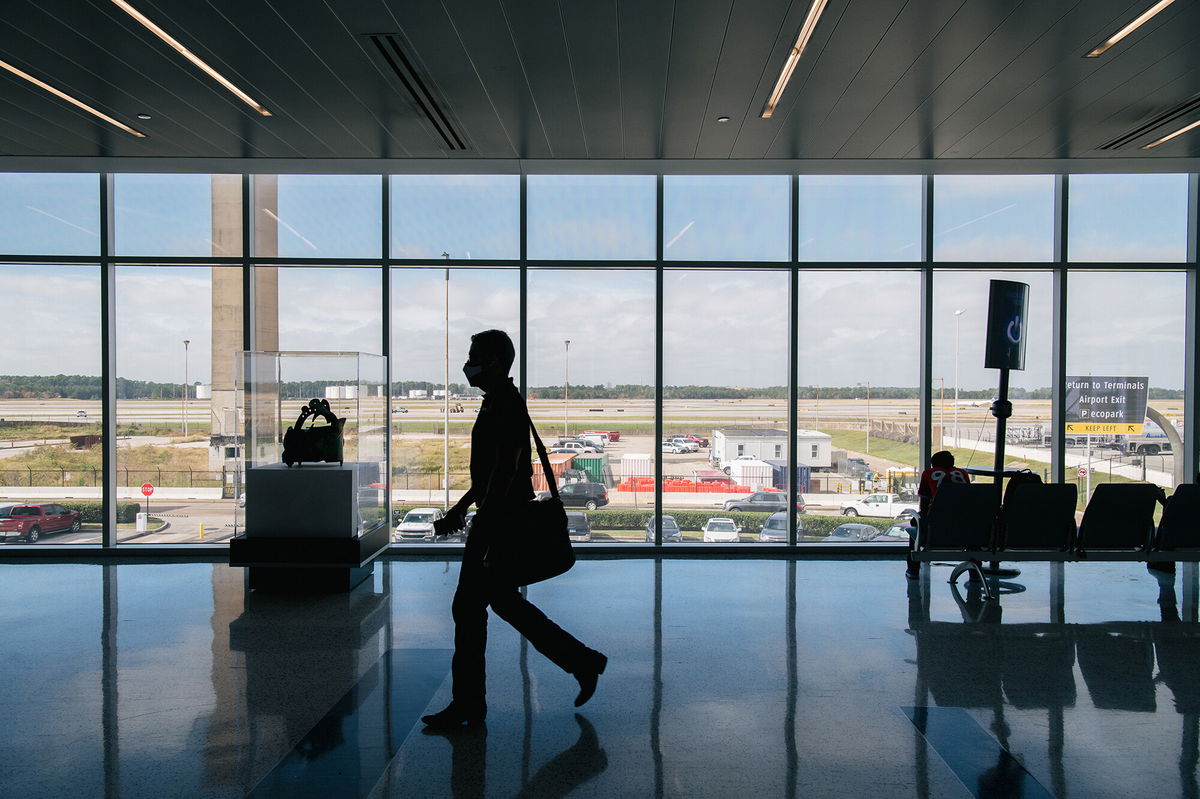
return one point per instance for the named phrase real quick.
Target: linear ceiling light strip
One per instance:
(789, 66)
(1138, 22)
(64, 96)
(190, 56)
(1170, 136)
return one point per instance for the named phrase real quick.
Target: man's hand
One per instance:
(452, 522)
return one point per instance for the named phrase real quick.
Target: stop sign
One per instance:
(147, 489)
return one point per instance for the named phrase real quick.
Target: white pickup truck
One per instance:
(882, 505)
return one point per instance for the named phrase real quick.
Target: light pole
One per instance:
(868, 385)
(185, 385)
(566, 383)
(957, 318)
(446, 387)
(942, 422)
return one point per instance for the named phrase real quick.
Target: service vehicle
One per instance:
(882, 505)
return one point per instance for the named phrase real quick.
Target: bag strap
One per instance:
(551, 480)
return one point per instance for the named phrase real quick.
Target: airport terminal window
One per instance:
(171, 426)
(177, 215)
(317, 216)
(591, 217)
(1127, 218)
(478, 299)
(49, 214)
(467, 216)
(725, 217)
(1128, 326)
(993, 218)
(859, 404)
(725, 377)
(50, 395)
(601, 383)
(962, 419)
(859, 218)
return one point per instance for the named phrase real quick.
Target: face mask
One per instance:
(472, 370)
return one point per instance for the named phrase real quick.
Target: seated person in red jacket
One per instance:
(941, 470)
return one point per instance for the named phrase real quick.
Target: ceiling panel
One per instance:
(608, 79)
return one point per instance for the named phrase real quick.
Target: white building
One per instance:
(813, 448)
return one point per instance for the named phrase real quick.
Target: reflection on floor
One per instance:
(726, 678)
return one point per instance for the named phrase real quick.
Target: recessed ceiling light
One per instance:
(64, 96)
(722, 119)
(1170, 136)
(1137, 22)
(143, 116)
(190, 56)
(785, 74)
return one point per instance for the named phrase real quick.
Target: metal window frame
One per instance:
(1059, 267)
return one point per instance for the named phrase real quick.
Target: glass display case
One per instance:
(330, 500)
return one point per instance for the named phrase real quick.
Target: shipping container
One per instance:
(756, 474)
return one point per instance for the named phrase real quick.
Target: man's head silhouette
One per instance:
(491, 356)
(943, 459)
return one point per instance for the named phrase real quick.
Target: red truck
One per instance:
(31, 522)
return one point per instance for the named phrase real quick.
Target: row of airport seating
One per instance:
(1037, 523)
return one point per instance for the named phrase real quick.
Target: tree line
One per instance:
(87, 387)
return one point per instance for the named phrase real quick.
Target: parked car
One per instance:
(852, 533)
(562, 451)
(417, 525)
(685, 442)
(670, 530)
(31, 522)
(584, 495)
(897, 532)
(673, 448)
(573, 476)
(596, 439)
(719, 530)
(764, 500)
(882, 505)
(774, 529)
(701, 441)
(578, 527)
(576, 446)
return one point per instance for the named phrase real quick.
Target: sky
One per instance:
(721, 326)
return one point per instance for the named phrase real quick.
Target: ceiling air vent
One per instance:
(389, 48)
(1172, 114)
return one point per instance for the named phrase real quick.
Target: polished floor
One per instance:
(726, 678)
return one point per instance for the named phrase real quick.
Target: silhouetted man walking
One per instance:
(501, 489)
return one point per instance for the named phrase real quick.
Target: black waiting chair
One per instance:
(1038, 516)
(1119, 516)
(961, 521)
(1179, 528)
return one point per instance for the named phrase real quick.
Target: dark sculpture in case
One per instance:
(314, 444)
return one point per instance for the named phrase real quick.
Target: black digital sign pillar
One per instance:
(1008, 309)
(1008, 306)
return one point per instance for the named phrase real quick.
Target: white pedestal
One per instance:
(309, 501)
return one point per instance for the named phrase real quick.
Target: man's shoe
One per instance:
(588, 679)
(456, 715)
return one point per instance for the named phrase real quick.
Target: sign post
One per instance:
(147, 490)
(1105, 404)
(1008, 309)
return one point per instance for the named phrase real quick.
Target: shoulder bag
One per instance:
(537, 547)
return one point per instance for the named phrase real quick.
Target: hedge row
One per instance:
(93, 512)
(693, 520)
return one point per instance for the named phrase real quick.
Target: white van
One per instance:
(600, 439)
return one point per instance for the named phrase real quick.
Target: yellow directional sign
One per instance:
(1121, 428)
